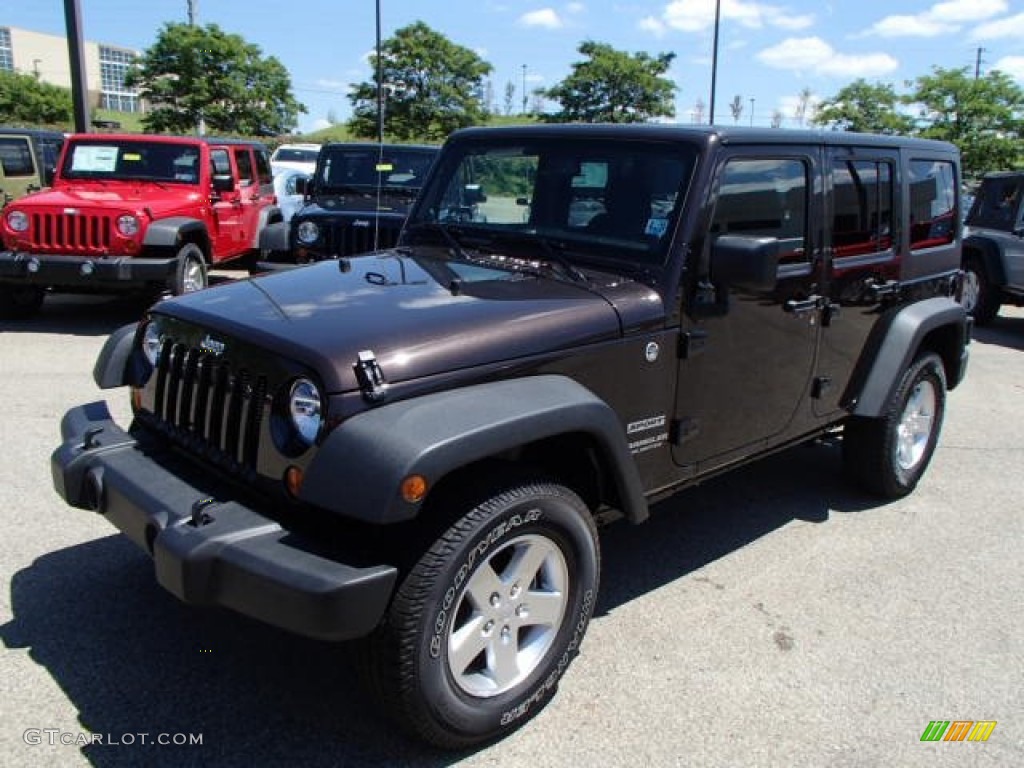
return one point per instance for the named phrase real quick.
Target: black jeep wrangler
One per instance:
(356, 201)
(414, 447)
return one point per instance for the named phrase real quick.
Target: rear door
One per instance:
(19, 173)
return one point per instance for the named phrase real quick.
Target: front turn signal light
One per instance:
(414, 488)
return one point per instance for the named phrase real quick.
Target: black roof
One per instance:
(375, 145)
(704, 134)
(39, 132)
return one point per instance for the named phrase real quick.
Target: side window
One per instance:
(765, 197)
(998, 203)
(588, 197)
(16, 157)
(263, 167)
(862, 207)
(243, 159)
(932, 203)
(220, 162)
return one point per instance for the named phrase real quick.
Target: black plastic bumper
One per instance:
(78, 271)
(212, 553)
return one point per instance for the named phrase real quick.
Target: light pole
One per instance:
(751, 111)
(524, 89)
(714, 62)
(380, 84)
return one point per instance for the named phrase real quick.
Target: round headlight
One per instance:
(304, 409)
(308, 232)
(17, 221)
(152, 338)
(127, 225)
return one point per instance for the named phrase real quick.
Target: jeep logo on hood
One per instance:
(361, 223)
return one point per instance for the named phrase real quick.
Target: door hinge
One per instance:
(692, 343)
(820, 386)
(370, 376)
(684, 430)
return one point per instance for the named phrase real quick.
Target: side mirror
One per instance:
(474, 194)
(223, 182)
(745, 262)
(302, 186)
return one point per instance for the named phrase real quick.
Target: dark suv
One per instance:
(415, 447)
(357, 199)
(135, 212)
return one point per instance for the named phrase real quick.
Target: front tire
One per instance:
(190, 275)
(488, 620)
(979, 297)
(888, 455)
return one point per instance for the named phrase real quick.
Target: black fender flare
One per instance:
(171, 233)
(990, 254)
(269, 216)
(359, 468)
(904, 335)
(275, 237)
(111, 368)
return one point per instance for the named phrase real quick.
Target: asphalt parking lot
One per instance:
(771, 618)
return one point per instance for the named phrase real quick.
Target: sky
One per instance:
(768, 52)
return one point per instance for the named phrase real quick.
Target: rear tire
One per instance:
(888, 455)
(190, 275)
(20, 302)
(489, 618)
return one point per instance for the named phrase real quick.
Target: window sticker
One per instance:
(384, 167)
(133, 156)
(656, 227)
(95, 159)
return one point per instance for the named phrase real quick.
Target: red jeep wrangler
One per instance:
(135, 212)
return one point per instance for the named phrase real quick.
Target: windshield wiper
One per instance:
(555, 255)
(449, 238)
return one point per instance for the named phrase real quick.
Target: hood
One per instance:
(335, 206)
(159, 199)
(418, 314)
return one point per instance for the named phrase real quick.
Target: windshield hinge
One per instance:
(370, 376)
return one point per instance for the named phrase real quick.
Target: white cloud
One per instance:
(575, 7)
(547, 18)
(1011, 65)
(320, 124)
(652, 25)
(1012, 26)
(698, 15)
(941, 19)
(815, 55)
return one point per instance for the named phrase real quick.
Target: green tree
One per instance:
(432, 86)
(26, 100)
(863, 107)
(980, 115)
(612, 86)
(194, 73)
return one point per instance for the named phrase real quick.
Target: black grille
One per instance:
(77, 233)
(209, 406)
(348, 239)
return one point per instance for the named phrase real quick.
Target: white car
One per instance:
(301, 157)
(288, 200)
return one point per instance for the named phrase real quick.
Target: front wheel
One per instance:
(978, 296)
(488, 620)
(888, 455)
(190, 274)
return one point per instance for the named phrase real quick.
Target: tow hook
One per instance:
(200, 516)
(89, 438)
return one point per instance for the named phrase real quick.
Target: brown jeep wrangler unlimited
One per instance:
(135, 212)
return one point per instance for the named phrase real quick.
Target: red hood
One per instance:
(136, 197)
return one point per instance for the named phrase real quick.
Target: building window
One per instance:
(114, 94)
(6, 52)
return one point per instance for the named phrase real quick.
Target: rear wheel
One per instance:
(20, 302)
(978, 296)
(888, 455)
(487, 621)
(190, 274)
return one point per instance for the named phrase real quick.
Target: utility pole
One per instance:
(76, 53)
(714, 62)
(977, 63)
(524, 89)
(751, 111)
(193, 11)
(380, 85)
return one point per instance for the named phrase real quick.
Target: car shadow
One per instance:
(132, 660)
(1004, 331)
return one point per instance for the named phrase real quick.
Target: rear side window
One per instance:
(863, 207)
(932, 203)
(16, 158)
(243, 159)
(998, 203)
(765, 197)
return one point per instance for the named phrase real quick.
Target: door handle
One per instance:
(803, 306)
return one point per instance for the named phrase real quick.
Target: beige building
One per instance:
(46, 57)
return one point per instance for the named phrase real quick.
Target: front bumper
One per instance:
(211, 553)
(84, 272)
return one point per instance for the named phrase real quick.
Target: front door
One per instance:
(227, 209)
(747, 355)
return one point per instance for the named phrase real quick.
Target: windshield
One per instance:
(295, 155)
(606, 199)
(366, 168)
(132, 161)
